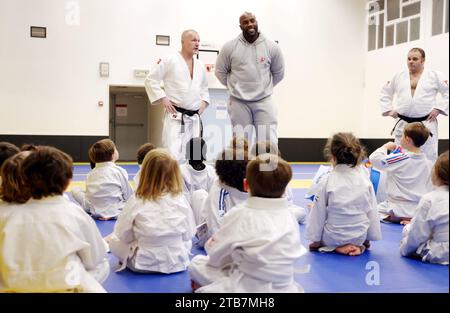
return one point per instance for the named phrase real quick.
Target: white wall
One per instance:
(52, 86)
(381, 65)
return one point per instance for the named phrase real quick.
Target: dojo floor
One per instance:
(381, 269)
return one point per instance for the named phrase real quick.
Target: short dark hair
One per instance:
(268, 184)
(47, 172)
(231, 166)
(143, 150)
(263, 147)
(345, 148)
(13, 187)
(196, 149)
(420, 50)
(417, 132)
(7, 150)
(102, 151)
(441, 168)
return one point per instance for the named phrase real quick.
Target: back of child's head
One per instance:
(28, 147)
(143, 150)
(268, 183)
(239, 143)
(417, 132)
(196, 149)
(231, 166)
(47, 172)
(160, 174)
(102, 151)
(7, 150)
(263, 147)
(13, 187)
(441, 168)
(345, 149)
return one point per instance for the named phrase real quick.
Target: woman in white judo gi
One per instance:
(256, 247)
(426, 237)
(49, 244)
(141, 152)
(226, 192)
(107, 186)
(408, 173)
(155, 229)
(185, 95)
(344, 216)
(416, 90)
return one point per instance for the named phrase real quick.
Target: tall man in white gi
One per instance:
(250, 66)
(185, 95)
(416, 90)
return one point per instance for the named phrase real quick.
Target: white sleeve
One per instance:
(442, 82)
(154, 79)
(374, 231)
(318, 214)
(95, 253)
(387, 162)
(419, 229)
(387, 96)
(127, 191)
(223, 65)
(211, 212)
(204, 93)
(123, 235)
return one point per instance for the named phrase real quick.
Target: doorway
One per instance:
(133, 121)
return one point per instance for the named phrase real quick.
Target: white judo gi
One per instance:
(345, 209)
(408, 178)
(210, 207)
(107, 190)
(254, 251)
(136, 178)
(427, 234)
(186, 92)
(424, 100)
(154, 236)
(50, 245)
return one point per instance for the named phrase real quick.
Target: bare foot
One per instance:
(392, 219)
(405, 221)
(194, 285)
(349, 249)
(314, 246)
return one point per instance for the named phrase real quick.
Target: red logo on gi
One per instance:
(159, 61)
(262, 59)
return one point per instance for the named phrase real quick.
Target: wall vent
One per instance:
(38, 32)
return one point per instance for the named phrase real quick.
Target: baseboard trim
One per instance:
(292, 149)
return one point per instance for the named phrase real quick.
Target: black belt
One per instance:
(410, 120)
(189, 113)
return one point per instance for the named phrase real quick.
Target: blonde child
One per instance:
(107, 186)
(258, 243)
(344, 215)
(49, 244)
(408, 173)
(155, 229)
(426, 237)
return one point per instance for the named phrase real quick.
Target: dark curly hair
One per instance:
(231, 166)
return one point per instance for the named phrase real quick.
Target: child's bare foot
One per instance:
(349, 249)
(313, 246)
(405, 221)
(194, 285)
(392, 219)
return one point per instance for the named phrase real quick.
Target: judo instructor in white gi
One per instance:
(416, 90)
(250, 66)
(185, 95)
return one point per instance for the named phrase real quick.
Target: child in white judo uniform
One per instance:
(49, 244)
(153, 234)
(344, 216)
(426, 237)
(264, 147)
(226, 192)
(141, 152)
(107, 186)
(256, 247)
(408, 173)
(197, 175)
